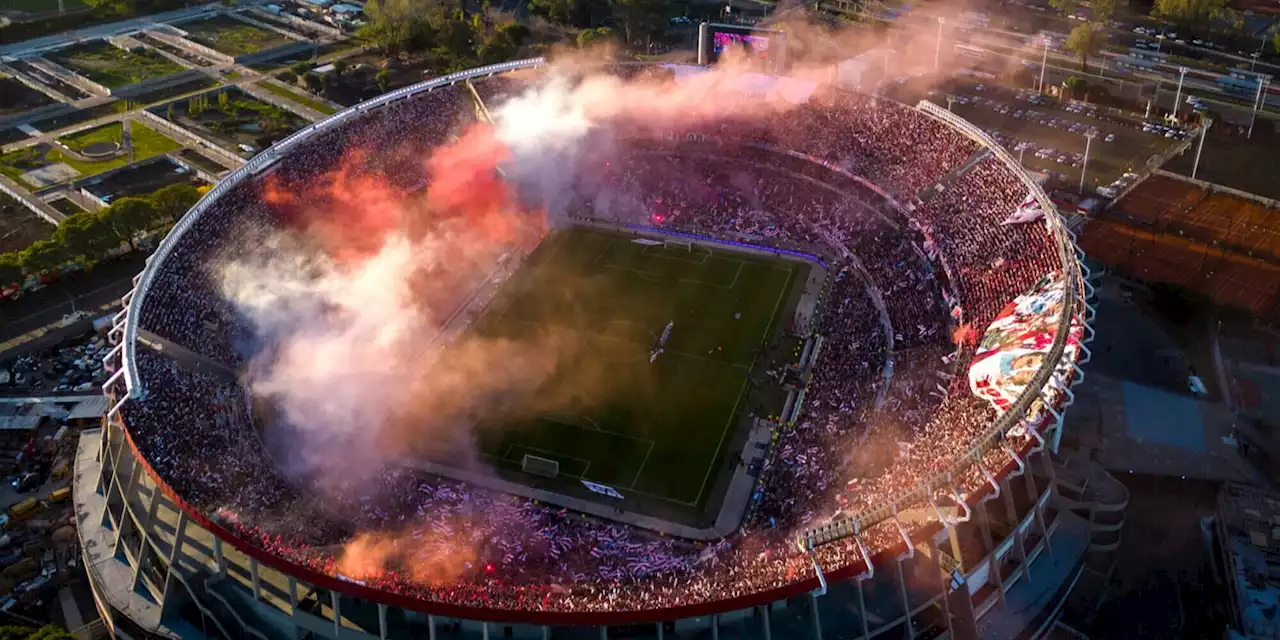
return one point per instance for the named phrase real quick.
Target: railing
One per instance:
(134, 302)
(923, 491)
(132, 381)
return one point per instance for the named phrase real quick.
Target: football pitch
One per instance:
(658, 430)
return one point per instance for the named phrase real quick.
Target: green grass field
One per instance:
(233, 37)
(607, 414)
(111, 66)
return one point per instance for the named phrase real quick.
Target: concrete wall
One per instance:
(39, 208)
(265, 25)
(1217, 188)
(68, 76)
(208, 148)
(295, 20)
(33, 84)
(278, 52)
(157, 83)
(176, 37)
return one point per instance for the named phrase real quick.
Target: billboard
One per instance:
(764, 48)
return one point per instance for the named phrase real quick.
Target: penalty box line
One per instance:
(601, 262)
(506, 457)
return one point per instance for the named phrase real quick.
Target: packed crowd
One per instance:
(841, 456)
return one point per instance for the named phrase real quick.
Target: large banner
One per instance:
(1016, 344)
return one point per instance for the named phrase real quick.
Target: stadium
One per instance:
(828, 351)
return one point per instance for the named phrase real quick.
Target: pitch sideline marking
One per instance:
(711, 464)
(641, 469)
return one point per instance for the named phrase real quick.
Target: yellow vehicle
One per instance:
(24, 509)
(60, 495)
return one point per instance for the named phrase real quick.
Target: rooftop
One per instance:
(1249, 523)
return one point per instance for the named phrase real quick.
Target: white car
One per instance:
(1111, 137)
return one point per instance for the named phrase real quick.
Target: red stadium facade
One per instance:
(990, 518)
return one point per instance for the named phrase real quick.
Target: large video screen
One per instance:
(765, 46)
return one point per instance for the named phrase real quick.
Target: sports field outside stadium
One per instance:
(661, 434)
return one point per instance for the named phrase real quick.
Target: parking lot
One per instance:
(1049, 135)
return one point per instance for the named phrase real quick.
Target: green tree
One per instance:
(87, 236)
(640, 19)
(1086, 41)
(1192, 14)
(313, 82)
(174, 200)
(223, 100)
(169, 113)
(392, 26)
(340, 67)
(1275, 41)
(43, 256)
(565, 12)
(10, 269)
(300, 68)
(130, 217)
(383, 79)
(590, 37)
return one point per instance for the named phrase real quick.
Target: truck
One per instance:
(24, 509)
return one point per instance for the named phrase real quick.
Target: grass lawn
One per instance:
(113, 67)
(233, 37)
(298, 97)
(147, 142)
(606, 413)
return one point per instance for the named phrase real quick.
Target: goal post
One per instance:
(677, 243)
(539, 466)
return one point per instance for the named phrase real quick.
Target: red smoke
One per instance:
(350, 212)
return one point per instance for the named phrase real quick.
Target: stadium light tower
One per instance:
(1182, 73)
(937, 53)
(1258, 101)
(1044, 63)
(1204, 133)
(1088, 142)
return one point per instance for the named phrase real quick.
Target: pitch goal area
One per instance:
(611, 408)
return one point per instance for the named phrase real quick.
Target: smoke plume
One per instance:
(357, 297)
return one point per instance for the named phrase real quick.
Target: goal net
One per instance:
(544, 467)
(676, 243)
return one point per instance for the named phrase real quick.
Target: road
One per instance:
(106, 283)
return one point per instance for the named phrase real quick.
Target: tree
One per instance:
(174, 200)
(42, 256)
(383, 79)
(87, 236)
(1188, 13)
(641, 19)
(11, 271)
(340, 67)
(1275, 41)
(130, 217)
(300, 68)
(223, 100)
(591, 37)
(47, 632)
(559, 11)
(393, 26)
(313, 82)
(1103, 10)
(1085, 40)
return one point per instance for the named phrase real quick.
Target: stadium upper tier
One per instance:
(882, 434)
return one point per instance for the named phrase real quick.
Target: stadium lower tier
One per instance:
(156, 572)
